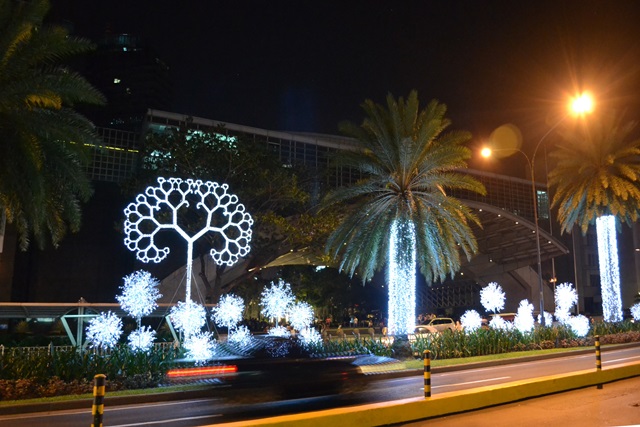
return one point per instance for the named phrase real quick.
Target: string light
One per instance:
(499, 323)
(310, 336)
(402, 279)
(279, 331)
(548, 319)
(609, 270)
(240, 336)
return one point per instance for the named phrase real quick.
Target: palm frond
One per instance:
(410, 162)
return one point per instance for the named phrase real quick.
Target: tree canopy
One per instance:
(410, 161)
(597, 172)
(271, 192)
(42, 136)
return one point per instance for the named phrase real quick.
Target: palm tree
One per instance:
(597, 179)
(400, 213)
(42, 175)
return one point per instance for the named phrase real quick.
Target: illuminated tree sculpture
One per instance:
(162, 207)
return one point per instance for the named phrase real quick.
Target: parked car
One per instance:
(422, 331)
(442, 324)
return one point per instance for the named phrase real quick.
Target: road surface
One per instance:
(212, 410)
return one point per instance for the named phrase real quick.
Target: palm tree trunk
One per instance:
(609, 269)
(402, 279)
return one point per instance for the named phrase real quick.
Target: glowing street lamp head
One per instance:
(582, 104)
(485, 152)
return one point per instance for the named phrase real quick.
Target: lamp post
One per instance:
(579, 105)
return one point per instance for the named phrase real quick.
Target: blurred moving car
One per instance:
(273, 368)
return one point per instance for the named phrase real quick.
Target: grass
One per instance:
(418, 363)
(137, 392)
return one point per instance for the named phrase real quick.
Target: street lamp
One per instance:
(579, 105)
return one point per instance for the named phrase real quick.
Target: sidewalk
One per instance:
(616, 404)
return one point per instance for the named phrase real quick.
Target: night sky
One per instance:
(307, 65)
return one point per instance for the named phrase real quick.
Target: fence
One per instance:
(55, 348)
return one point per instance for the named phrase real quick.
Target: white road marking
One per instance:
(151, 404)
(624, 359)
(146, 423)
(469, 382)
(107, 409)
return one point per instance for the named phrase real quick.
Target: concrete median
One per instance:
(418, 408)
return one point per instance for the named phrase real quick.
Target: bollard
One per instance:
(97, 410)
(598, 359)
(427, 373)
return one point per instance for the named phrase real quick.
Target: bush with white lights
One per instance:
(276, 300)
(566, 297)
(471, 321)
(104, 331)
(188, 317)
(524, 321)
(635, 311)
(492, 297)
(139, 294)
(229, 311)
(141, 339)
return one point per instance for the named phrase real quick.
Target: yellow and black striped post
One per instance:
(598, 359)
(427, 373)
(98, 400)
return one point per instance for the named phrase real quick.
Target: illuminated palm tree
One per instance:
(400, 214)
(42, 176)
(597, 179)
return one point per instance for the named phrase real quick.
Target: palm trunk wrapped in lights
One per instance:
(609, 269)
(402, 278)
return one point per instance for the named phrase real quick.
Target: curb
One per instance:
(414, 409)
